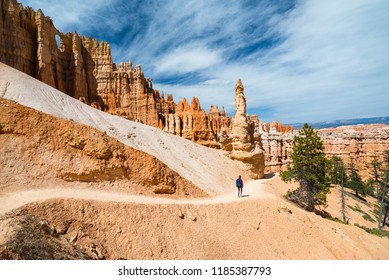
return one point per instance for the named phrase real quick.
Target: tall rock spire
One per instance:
(243, 143)
(240, 100)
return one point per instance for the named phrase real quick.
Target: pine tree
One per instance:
(309, 167)
(338, 176)
(337, 171)
(355, 181)
(376, 172)
(383, 194)
(384, 204)
(371, 187)
(343, 182)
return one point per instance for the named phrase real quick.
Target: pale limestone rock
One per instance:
(359, 143)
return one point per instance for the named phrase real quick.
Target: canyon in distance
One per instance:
(95, 163)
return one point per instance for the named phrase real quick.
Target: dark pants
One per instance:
(240, 191)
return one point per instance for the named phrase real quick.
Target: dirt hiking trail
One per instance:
(9, 201)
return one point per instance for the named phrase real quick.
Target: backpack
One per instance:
(239, 183)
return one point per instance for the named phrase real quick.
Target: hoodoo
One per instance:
(243, 143)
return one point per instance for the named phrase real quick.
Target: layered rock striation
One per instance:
(359, 143)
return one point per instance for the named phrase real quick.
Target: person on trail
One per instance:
(239, 185)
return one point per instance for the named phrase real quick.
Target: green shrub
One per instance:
(357, 208)
(367, 217)
(375, 231)
(336, 220)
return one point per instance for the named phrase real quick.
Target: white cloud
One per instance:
(217, 82)
(79, 16)
(188, 58)
(334, 56)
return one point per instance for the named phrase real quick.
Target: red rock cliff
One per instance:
(83, 68)
(77, 65)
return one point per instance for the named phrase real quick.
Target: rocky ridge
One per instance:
(83, 68)
(360, 143)
(277, 143)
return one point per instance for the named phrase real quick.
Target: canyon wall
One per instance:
(83, 68)
(77, 65)
(359, 143)
(71, 63)
(193, 123)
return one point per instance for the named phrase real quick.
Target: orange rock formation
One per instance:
(83, 68)
(243, 143)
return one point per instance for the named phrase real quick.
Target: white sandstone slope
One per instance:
(207, 168)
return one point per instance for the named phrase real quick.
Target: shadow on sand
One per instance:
(269, 175)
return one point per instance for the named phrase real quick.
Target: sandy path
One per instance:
(255, 189)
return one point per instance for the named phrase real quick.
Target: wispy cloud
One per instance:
(298, 60)
(188, 58)
(90, 18)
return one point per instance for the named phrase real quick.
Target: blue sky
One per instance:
(300, 61)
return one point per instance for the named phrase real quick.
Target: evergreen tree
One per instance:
(309, 167)
(343, 182)
(376, 172)
(384, 176)
(338, 171)
(383, 203)
(383, 194)
(338, 176)
(343, 209)
(371, 187)
(355, 182)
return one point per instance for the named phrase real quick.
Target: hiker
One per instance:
(239, 185)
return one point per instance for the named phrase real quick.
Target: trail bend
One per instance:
(9, 201)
